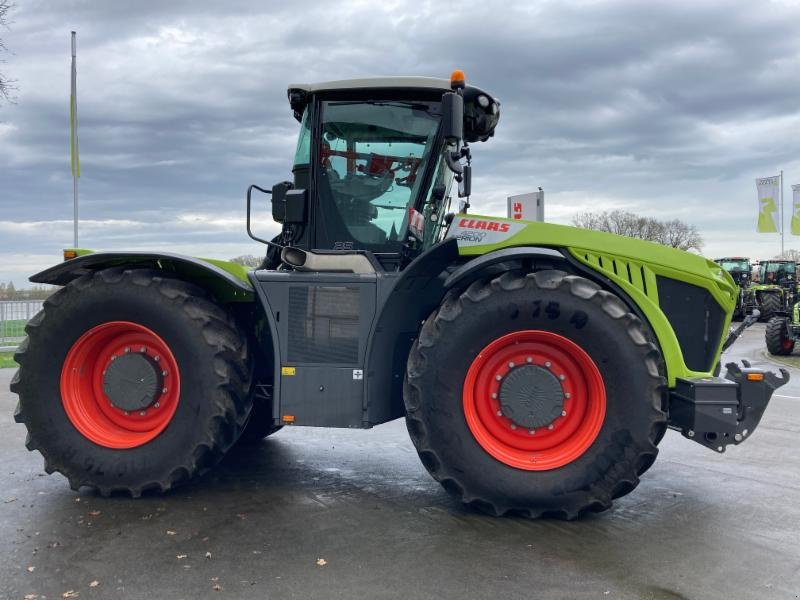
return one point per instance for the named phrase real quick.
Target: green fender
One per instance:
(226, 280)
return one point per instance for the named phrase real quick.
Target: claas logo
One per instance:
(485, 225)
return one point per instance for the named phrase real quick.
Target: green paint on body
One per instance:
(632, 265)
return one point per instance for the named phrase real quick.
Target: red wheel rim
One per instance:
(788, 344)
(568, 436)
(86, 404)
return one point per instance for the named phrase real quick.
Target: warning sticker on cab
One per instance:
(288, 371)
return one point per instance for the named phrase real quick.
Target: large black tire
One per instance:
(617, 341)
(209, 350)
(770, 304)
(776, 336)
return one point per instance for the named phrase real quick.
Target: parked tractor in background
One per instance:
(537, 366)
(774, 289)
(740, 270)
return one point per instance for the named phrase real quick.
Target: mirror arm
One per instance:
(249, 230)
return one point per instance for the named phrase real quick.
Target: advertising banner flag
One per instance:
(768, 196)
(796, 209)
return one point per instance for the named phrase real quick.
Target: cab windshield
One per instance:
(735, 265)
(373, 158)
(774, 272)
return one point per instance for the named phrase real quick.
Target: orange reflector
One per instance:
(755, 377)
(70, 254)
(457, 79)
(287, 418)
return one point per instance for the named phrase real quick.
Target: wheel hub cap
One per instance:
(132, 382)
(531, 396)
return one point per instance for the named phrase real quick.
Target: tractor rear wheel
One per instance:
(770, 304)
(776, 335)
(131, 381)
(538, 394)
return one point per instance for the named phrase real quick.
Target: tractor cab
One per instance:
(374, 167)
(777, 272)
(738, 267)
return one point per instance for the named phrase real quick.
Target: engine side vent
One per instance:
(323, 324)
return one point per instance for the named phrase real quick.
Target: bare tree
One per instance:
(674, 233)
(7, 86)
(248, 260)
(790, 254)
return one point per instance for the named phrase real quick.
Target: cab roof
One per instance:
(427, 83)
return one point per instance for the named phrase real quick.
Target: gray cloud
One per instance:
(662, 108)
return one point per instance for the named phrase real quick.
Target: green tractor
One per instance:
(775, 288)
(537, 366)
(740, 270)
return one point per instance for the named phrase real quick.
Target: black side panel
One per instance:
(404, 301)
(696, 318)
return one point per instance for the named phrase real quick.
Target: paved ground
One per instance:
(699, 526)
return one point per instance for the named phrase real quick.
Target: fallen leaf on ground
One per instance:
(31, 597)
(217, 587)
(181, 556)
(31, 569)
(215, 579)
(208, 554)
(10, 500)
(321, 562)
(169, 532)
(94, 513)
(70, 594)
(95, 583)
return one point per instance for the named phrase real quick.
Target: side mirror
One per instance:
(465, 182)
(452, 117)
(279, 200)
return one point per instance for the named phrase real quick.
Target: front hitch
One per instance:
(718, 411)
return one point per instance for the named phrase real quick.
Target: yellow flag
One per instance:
(768, 192)
(796, 209)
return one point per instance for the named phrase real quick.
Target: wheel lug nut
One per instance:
(498, 377)
(499, 413)
(513, 426)
(567, 395)
(550, 426)
(532, 431)
(562, 377)
(156, 358)
(563, 413)
(113, 357)
(529, 360)
(494, 396)
(142, 349)
(511, 365)
(157, 404)
(127, 413)
(143, 413)
(548, 364)
(127, 349)
(164, 390)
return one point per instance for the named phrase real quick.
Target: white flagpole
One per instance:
(74, 143)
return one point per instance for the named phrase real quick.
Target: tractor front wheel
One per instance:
(130, 381)
(770, 304)
(539, 394)
(776, 335)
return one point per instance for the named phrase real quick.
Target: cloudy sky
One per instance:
(666, 109)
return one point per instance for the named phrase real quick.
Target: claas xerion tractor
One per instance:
(774, 290)
(537, 366)
(740, 270)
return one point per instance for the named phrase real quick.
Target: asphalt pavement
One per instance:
(315, 513)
